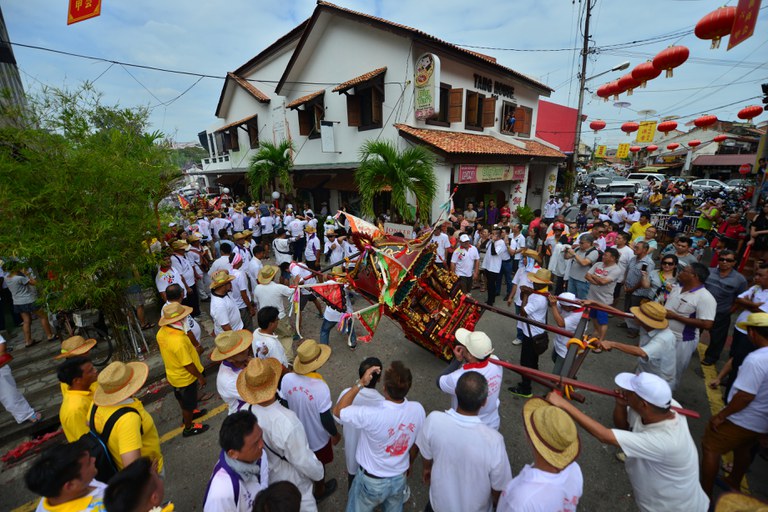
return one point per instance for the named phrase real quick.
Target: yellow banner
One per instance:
(600, 151)
(646, 132)
(623, 151)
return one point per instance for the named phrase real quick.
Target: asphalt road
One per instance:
(606, 487)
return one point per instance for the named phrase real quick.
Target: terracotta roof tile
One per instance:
(304, 99)
(248, 86)
(459, 143)
(359, 80)
(414, 31)
(236, 123)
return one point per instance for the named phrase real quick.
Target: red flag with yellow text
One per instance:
(80, 10)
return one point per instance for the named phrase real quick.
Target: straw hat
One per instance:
(552, 432)
(238, 236)
(310, 229)
(267, 274)
(75, 346)
(310, 356)
(172, 313)
(258, 382)
(541, 276)
(194, 237)
(477, 343)
(330, 231)
(754, 320)
(737, 502)
(220, 278)
(532, 254)
(231, 343)
(119, 381)
(179, 245)
(247, 232)
(652, 314)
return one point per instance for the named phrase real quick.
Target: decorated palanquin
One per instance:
(418, 293)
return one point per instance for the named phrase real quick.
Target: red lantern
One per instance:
(630, 127)
(670, 58)
(597, 125)
(667, 126)
(720, 138)
(628, 83)
(715, 25)
(644, 72)
(635, 149)
(605, 91)
(651, 148)
(617, 89)
(673, 146)
(750, 112)
(705, 121)
(693, 143)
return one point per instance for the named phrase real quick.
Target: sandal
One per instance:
(37, 418)
(147, 325)
(55, 337)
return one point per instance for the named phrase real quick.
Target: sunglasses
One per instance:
(728, 261)
(667, 262)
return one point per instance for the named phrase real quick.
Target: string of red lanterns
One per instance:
(750, 112)
(670, 58)
(693, 143)
(716, 25)
(704, 122)
(597, 125)
(651, 148)
(630, 127)
(673, 146)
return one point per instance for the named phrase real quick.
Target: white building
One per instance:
(356, 74)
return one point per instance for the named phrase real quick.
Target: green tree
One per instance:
(384, 167)
(269, 166)
(79, 182)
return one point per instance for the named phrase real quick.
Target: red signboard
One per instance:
(80, 10)
(745, 168)
(746, 19)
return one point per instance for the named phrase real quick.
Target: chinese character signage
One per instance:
(600, 151)
(80, 10)
(744, 25)
(488, 173)
(646, 132)
(426, 83)
(623, 151)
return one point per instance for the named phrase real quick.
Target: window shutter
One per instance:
(489, 112)
(376, 102)
(472, 101)
(353, 111)
(519, 120)
(455, 105)
(234, 137)
(523, 123)
(305, 122)
(253, 133)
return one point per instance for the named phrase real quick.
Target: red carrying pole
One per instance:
(610, 311)
(546, 327)
(560, 381)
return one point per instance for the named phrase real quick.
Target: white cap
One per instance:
(651, 388)
(478, 343)
(464, 237)
(567, 296)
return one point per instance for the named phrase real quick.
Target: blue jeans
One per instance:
(579, 288)
(325, 332)
(367, 493)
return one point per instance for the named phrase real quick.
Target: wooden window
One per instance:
(310, 116)
(489, 112)
(455, 105)
(252, 127)
(474, 111)
(523, 120)
(234, 139)
(364, 105)
(507, 119)
(441, 118)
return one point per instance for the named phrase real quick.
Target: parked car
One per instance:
(572, 212)
(623, 187)
(601, 182)
(641, 178)
(740, 183)
(708, 184)
(610, 198)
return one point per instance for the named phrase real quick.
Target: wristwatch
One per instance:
(359, 386)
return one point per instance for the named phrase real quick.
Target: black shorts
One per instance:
(304, 300)
(187, 396)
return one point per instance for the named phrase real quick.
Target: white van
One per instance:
(640, 179)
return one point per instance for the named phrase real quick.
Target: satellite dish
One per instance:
(647, 112)
(622, 104)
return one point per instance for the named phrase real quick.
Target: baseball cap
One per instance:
(651, 388)
(558, 225)
(567, 296)
(478, 343)
(464, 238)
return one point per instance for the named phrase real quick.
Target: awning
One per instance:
(342, 182)
(654, 168)
(305, 99)
(236, 123)
(725, 160)
(312, 181)
(359, 80)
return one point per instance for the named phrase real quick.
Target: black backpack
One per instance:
(97, 443)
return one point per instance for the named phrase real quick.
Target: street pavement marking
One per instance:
(716, 403)
(32, 505)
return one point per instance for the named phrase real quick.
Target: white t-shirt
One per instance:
(492, 262)
(659, 346)
(254, 224)
(305, 276)
(697, 303)
(365, 397)
(557, 263)
(96, 503)
(221, 494)
(308, 397)
(443, 243)
(166, 278)
(625, 256)
(534, 490)
(282, 248)
(521, 279)
(239, 284)
(571, 319)
(493, 373)
(267, 224)
(517, 242)
(194, 327)
(629, 219)
(226, 386)
(335, 251)
(463, 473)
(753, 379)
(550, 209)
(296, 228)
(252, 268)
(271, 343)
(224, 311)
(603, 292)
(465, 260)
(753, 294)
(220, 263)
(662, 464)
(536, 309)
(313, 248)
(388, 432)
(272, 294)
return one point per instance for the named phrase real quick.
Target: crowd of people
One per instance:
(283, 424)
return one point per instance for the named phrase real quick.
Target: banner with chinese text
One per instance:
(623, 151)
(80, 10)
(646, 132)
(744, 24)
(600, 151)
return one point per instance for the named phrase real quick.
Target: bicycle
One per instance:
(88, 323)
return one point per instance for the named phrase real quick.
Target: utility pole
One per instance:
(582, 85)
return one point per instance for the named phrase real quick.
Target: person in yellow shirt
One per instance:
(183, 368)
(638, 228)
(134, 434)
(78, 378)
(65, 476)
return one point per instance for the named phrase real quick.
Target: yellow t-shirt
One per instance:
(91, 502)
(74, 410)
(637, 229)
(177, 352)
(126, 435)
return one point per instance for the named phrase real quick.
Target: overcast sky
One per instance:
(213, 37)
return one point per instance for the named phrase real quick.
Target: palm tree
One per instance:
(383, 167)
(270, 164)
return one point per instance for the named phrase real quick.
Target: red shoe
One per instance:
(197, 428)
